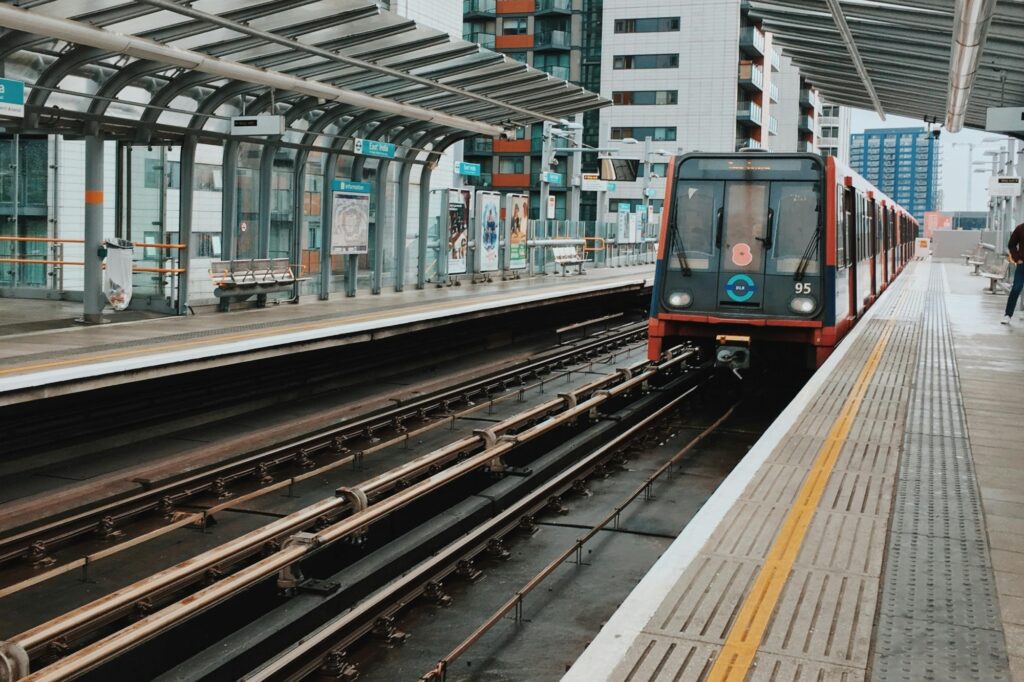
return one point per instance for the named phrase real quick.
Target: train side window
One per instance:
(840, 229)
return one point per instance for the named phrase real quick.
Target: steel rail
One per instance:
(300, 660)
(515, 602)
(20, 542)
(110, 606)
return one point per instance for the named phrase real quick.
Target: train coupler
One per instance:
(732, 352)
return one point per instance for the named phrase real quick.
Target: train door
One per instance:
(886, 243)
(869, 216)
(853, 247)
(744, 234)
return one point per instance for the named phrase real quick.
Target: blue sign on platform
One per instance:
(551, 178)
(384, 150)
(625, 208)
(12, 98)
(470, 169)
(740, 288)
(611, 186)
(349, 186)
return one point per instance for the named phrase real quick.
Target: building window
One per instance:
(652, 25)
(513, 26)
(645, 97)
(661, 133)
(645, 61)
(830, 131)
(518, 56)
(659, 170)
(510, 164)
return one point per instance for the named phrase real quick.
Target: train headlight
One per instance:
(680, 299)
(803, 305)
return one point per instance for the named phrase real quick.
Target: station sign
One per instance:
(257, 125)
(592, 182)
(1004, 186)
(383, 150)
(551, 178)
(350, 186)
(468, 169)
(12, 98)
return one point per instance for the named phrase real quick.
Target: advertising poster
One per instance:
(622, 225)
(488, 220)
(458, 232)
(517, 207)
(633, 234)
(350, 226)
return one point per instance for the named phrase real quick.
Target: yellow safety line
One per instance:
(216, 340)
(746, 633)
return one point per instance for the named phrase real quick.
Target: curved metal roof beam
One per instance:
(76, 32)
(851, 47)
(970, 28)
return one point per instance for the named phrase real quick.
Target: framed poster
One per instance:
(488, 220)
(517, 213)
(458, 232)
(350, 225)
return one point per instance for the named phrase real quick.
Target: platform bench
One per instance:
(568, 256)
(976, 258)
(238, 280)
(995, 268)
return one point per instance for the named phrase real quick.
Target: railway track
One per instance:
(278, 547)
(308, 455)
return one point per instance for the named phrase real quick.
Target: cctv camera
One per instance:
(507, 134)
(936, 133)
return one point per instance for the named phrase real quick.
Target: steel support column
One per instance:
(326, 214)
(92, 296)
(186, 192)
(263, 217)
(229, 192)
(424, 222)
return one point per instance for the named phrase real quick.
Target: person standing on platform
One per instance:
(1015, 252)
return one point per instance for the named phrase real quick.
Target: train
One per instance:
(763, 252)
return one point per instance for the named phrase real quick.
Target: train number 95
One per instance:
(802, 288)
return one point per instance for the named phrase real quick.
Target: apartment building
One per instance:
(902, 162)
(834, 132)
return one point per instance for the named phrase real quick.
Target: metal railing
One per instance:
(552, 39)
(482, 39)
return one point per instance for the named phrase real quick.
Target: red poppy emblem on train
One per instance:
(742, 255)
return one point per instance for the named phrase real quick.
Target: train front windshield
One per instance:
(740, 224)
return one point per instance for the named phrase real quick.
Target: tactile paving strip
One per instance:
(938, 616)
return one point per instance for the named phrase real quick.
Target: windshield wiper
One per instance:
(805, 259)
(680, 252)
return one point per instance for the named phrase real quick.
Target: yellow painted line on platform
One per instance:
(217, 340)
(746, 633)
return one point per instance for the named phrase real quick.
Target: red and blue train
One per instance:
(762, 250)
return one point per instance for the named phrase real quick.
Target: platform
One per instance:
(875, 531)
(57, 361)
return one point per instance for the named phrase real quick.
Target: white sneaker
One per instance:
(1006, 319)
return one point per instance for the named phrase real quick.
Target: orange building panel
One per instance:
(510, 180)
(516, 6)
(513, 42)
(512, 146)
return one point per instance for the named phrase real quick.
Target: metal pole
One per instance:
(229, 190)
(424, 223)
(647, 186)
(185, 195)
(545, 189)
(92, 297)
(326, 215)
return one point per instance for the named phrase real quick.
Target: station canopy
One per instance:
(905, 48)
(162, 69)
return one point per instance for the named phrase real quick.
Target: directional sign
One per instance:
(469, 169)
(592, 182)
(551, 178)
(12, 98)
(384, 150)
(349, 186)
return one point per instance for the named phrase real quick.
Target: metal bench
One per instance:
(237, 280)
(996, 268)
(977, 257)
(568, 256)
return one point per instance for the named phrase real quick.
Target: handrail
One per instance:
(37, 261)
(55, 240)
(602, 244)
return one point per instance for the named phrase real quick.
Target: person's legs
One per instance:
(1018, 285)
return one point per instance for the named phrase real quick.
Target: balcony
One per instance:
(482, 180)
(752, 42)
(478, 8)
(561, 72)
(552, 40)
(775, 59)
(516, 6)
(751, 77)
(522, 146)
(805, 123)
(805, 146)
(808, 98)
(485, 40)
(553, 7)
(537, 144)
(748, 143)
(773, 125)
(514, 42)
(748, 112)
(518, 180)
(773, 92)
(478, 146)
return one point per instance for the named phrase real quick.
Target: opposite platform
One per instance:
(46, 363)
(875, 531)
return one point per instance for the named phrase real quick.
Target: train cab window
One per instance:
(746, 225)
(796, 209)
(697, 205)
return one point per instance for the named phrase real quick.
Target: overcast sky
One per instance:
(955, 161)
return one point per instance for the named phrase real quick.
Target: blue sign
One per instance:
(384, 150)
(740, 288)
(470, 169)
(12, 98)
(625, 208)
(551, 178)
(349, 186)
(612, 186)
